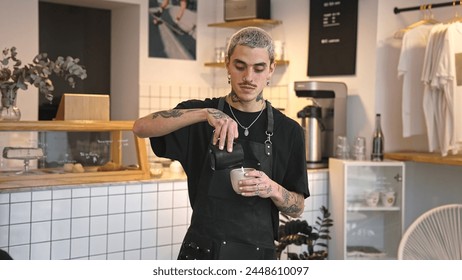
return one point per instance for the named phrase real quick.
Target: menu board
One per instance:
(332, 38)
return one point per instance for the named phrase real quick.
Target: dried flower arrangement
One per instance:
(37, 73)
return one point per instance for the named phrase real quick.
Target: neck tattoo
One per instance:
(246, 129)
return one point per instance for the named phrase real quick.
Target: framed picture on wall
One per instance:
(332, 38)
(172, 29)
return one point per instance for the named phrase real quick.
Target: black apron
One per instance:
(226, 225)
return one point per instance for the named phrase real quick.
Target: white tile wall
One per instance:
(81, 207)
(116, 223)
(101, 222)
(132, 221)
(145, 220)
(41, 210)
(80, 227)
(40, 251)
(41, 232)
(4, 236)
(20, 212)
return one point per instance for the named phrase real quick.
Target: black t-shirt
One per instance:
(189, 146)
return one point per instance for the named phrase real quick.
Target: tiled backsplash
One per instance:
(133, 221)
(127, 221)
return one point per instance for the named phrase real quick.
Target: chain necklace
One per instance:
(246, 129)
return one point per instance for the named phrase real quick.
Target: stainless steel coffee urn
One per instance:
(330, 99)
(311, 117)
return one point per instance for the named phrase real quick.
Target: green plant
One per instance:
(299, 233)
(37, 73)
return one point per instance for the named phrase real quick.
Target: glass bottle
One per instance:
(377, 141)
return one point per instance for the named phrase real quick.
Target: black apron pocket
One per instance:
(229, 250)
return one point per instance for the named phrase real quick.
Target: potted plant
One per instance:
(14, 76)
(299, 233)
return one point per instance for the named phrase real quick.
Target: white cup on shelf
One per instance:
(372, 198)
(388, 198)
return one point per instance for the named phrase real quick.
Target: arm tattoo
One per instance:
(174, 113)
(290, 208)
(286, 196)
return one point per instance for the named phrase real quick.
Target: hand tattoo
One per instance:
(217, 114)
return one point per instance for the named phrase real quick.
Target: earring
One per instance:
(229, 79)
(267, 82)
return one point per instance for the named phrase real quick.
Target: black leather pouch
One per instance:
(222, 159)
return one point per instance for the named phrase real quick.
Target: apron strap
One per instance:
(270, 127)
(221, 104)
(269, 130)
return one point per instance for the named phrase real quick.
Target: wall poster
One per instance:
(172, 29)
(332, 38)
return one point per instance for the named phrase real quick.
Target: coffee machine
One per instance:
(329, 100)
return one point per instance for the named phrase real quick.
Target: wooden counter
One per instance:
(423, 157)
(66, 126)
(55, 176)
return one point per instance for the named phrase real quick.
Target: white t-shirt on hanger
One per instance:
(431, 93)
(410, 67)
(450, 81)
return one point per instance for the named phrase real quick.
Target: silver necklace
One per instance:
(246, 129)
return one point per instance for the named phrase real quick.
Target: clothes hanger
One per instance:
(427, 19)
(456, 17)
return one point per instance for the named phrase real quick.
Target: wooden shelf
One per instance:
(246, 22)
(423, 157)
(55, 176)
(222, 64)
(83, 125)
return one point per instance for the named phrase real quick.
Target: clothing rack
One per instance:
(397, 10)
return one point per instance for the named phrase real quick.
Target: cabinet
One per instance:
(243, 23)
(50, 153)
(363, 231)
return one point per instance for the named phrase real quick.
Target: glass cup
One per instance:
(343, 148)
(239, 174)
(220, 55)
(278, 50)
(359, 148)
(157, 169)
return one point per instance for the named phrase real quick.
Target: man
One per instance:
(224, 224)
